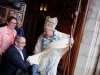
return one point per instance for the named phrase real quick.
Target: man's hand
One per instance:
(71, 40)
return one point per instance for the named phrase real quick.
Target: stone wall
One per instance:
(88, 58)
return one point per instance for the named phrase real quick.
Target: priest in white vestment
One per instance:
(50, 47)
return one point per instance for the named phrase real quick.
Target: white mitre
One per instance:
(50, 23)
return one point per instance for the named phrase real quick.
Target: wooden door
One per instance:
(67, 13)
(63, 10)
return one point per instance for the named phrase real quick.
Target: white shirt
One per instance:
(20, 51)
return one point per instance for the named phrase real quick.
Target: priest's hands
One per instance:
(71, 40)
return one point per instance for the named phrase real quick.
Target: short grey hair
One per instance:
(17, 38)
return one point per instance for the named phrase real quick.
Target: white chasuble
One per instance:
(49, 58)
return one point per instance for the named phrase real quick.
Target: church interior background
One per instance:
(84, 15)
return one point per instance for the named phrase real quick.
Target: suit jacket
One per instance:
(20, 31)
(12, 60)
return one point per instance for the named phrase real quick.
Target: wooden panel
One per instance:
(6, 10)
(62, 10)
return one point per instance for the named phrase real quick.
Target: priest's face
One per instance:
(48, 32)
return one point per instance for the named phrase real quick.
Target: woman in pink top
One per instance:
(7, 34)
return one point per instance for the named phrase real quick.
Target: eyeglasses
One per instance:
(22, 42)
(13, 23)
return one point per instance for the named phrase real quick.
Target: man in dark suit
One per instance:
(15, 58)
